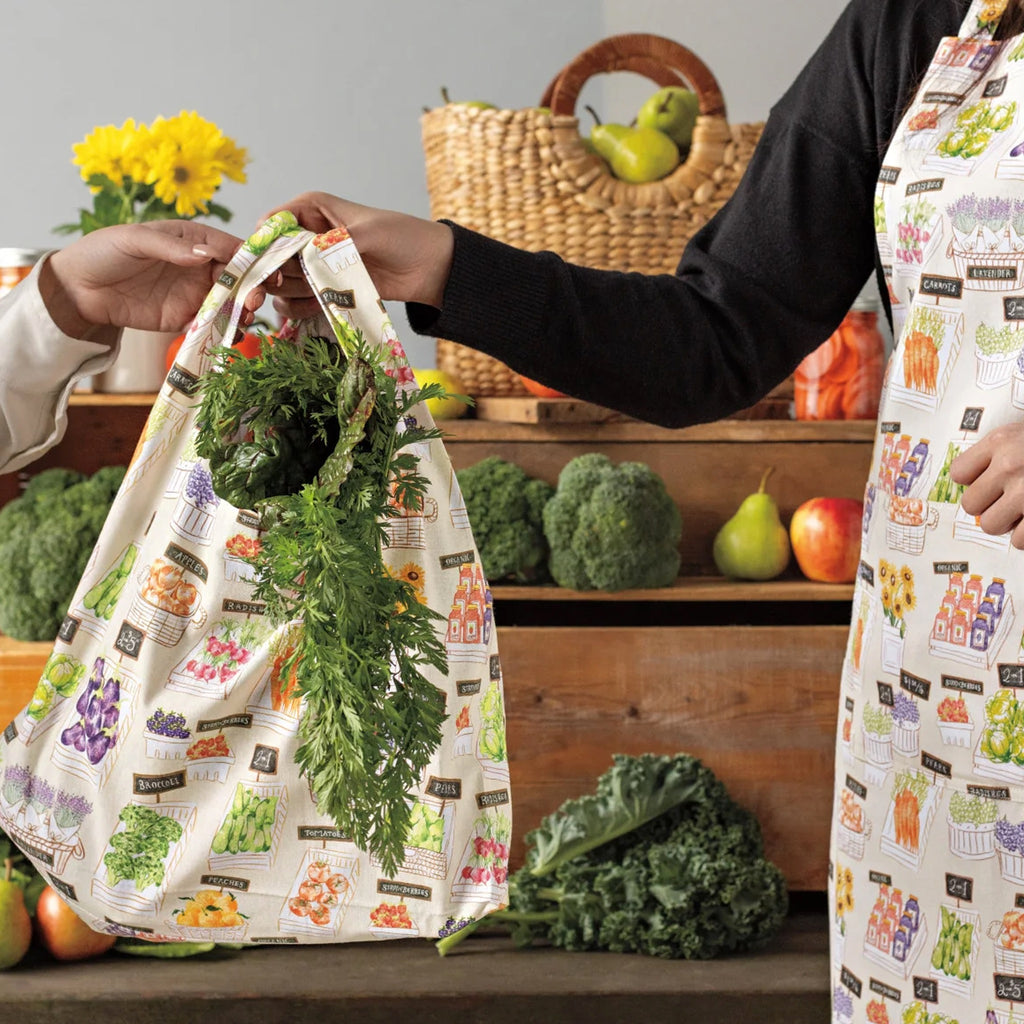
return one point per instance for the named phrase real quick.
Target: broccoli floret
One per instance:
(505, 508)
(46, 537)
(660, 860)
(612, 527)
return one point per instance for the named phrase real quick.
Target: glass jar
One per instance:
(842, 379)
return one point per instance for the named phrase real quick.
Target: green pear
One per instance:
(672, 110)
(644, 154)
(604, 138)
(15, 923)
(753, 544)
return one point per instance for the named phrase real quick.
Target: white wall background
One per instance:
(326, 94)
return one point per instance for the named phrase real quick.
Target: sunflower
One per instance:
(907, 575)
(412, 574)
(108, 151)
(884, 568)
(909, 601)
(232, 160)
(184, 171)
(886, 597)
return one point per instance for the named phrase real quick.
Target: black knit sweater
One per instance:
(760, 286)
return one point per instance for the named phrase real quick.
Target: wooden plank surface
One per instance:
(757, 705)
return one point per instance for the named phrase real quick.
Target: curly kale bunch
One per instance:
(660, 860)
(506, 508)
(47, 534)
(612, 527)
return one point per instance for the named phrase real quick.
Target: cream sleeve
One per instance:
(39, 367)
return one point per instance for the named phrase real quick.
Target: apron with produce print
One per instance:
(153, 778)
(927, 852)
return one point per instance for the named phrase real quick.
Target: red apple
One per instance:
(825, 534)
(64, 933)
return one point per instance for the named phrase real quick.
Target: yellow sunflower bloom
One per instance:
(412, 574)
(908, 599)
(907, 575)
(232, 160)
(884, 568)
(105, 150)
(886, 597)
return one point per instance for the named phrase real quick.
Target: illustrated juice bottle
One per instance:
(941, 625)
(996, 593)
(956, 584)
(959, 627)
(973, 588)
(474, 618)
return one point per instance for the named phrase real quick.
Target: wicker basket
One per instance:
(526, 178)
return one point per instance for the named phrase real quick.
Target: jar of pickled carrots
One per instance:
(842, 379)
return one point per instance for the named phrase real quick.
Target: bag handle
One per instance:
(663, 60)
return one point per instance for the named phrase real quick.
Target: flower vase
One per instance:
(892, 648)
(140, 365)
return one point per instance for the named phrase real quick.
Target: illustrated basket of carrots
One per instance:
(842, 379)
(527, 177)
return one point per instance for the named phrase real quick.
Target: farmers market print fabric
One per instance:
(152, 776)
(927, 854)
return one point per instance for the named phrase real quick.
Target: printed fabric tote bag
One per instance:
(266, 727)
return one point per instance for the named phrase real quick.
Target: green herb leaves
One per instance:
(325, 425)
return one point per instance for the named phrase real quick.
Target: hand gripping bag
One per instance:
(157, 786)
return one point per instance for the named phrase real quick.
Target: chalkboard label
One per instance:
(926, 989)
(43, 856)
(68, 629)
(227, 279)
(885, 694)
(959, 887)
(880, 988)
(890, 427)
(915, 684)
(937, 284)
(866, 573)
(994, 87)
(446, 789)
(1009, 987)
(241, 721)
(1013, 307)
(850, 980)
(984, 272)
(11, 732)
(182, 380)
(244, 607)
(322, 834)
(927, 185)
(989, 792)
(185, 559)
(275, 940)
(940, 96)
(248, 518)
(888, 175)
(849, 704)
(494, 666)
(1011, 675)
(404, 890)
(879, 878)
(148, 785)
(935, 764)
(467, 687)
(343, 299)
(492, 798)
(1018, 901)
(264, 760)
(963, 685)
(225, 882)
(971, 419)
(127, 929)
(64, 888)
(858, 788)
(946, 568)
(129, 640)
(455, 560)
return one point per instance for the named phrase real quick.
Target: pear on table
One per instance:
(15, 923)
(753, 544)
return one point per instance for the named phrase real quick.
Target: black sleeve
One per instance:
(760, 286)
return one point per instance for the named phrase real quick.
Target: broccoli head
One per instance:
(612, 527)
(47, 534)
(505, 508)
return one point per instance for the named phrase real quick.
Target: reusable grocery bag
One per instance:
(153, 779)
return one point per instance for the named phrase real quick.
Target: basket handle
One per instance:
(661, 59)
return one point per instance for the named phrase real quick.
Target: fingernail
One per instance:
(201, 250)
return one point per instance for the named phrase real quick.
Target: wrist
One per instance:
(63, 309)
(439, 264)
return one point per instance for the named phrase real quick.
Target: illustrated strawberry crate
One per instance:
(324, 885)
(209, 769)
(125, 895)
(430, 863)
(254, 860)
(1008, 960)
(956, 734)
(972, 842)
